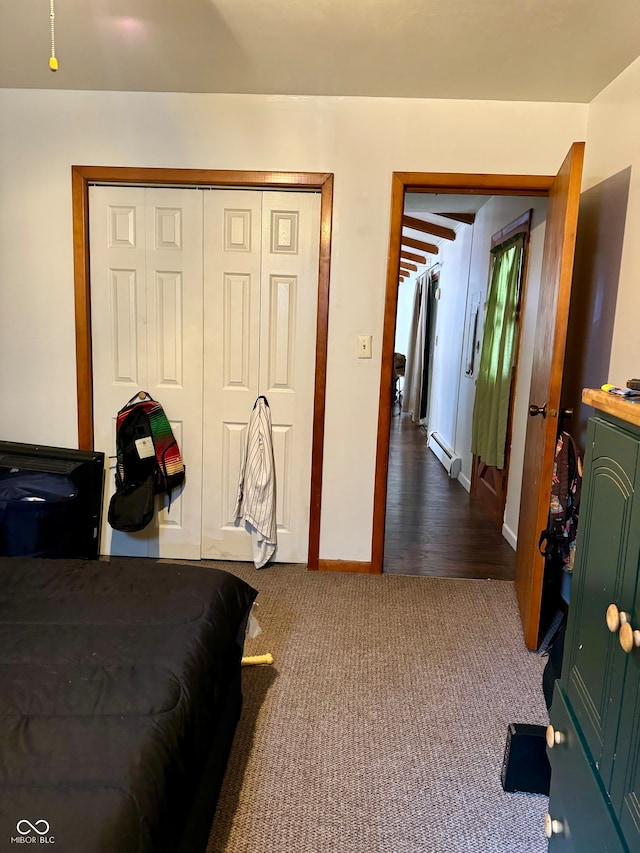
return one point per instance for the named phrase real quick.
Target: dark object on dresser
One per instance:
(120, 694)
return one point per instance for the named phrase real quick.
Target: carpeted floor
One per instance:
(381, 726)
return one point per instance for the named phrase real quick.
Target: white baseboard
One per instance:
(464, 481)
(450, 461)
(510, 536)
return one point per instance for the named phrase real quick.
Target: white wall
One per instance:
(613, 145)
(447, 353)
(404, 312)
(362, 141)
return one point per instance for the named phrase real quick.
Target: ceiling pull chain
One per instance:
(53, 62)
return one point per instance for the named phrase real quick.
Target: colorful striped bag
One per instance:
(148, 463)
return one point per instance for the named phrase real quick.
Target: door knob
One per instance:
(616, 618)
(552, 827)
(629, 639)
(554, 737)
(537, 410)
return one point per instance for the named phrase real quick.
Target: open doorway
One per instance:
(440, 315)
(552, 311)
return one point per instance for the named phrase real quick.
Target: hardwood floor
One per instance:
(433, 527)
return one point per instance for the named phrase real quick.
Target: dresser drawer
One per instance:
(578, 806)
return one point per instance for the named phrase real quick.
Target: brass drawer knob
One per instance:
(552, 827)
(629, 639)
(554, 737)
(616, 618)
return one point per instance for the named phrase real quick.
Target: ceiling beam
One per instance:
(407, 266)
(429, 248)
(406, 272)
(428, 228)
(410, 256)
(467, 218)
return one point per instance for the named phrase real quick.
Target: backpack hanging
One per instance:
(148, 463)
(557, 541)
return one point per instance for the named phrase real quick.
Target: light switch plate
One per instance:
(364, 346)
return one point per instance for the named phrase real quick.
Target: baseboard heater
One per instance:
(450, 461)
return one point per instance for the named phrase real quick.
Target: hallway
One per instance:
(433, 527)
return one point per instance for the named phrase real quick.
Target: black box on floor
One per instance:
(525, 766)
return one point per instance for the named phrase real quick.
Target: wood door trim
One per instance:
(520, 225)
(474, 184)
(361, 568)
(558, 254)
(83, 176)
(401, 183)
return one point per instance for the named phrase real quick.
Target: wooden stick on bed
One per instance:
(251, 660)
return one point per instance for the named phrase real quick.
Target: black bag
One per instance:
(131, 507)
(148, 463)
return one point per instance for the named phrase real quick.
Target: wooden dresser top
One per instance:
(612, 404)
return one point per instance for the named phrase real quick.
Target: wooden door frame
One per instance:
(81, 179)
(426, 182)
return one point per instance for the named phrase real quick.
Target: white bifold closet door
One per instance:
(260, 304)
(147, 334)
(207, 298)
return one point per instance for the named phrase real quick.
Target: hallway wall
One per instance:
(454, 268)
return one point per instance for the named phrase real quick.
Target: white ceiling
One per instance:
(416, 204)
(538, 50)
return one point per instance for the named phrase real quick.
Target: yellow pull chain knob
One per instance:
(53, 62)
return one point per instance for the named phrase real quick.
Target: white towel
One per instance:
(256, 503)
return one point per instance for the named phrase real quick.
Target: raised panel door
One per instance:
(206, 299)
(584, 819)
(232, 296)
(594, 669)
(261, 274)
(625, 784)
(146, 305)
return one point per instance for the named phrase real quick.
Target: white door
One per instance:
(146, 308)
(254, 329)
(260, 306)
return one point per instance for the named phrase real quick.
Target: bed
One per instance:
(119, 696)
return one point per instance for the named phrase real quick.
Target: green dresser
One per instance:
(594, 737)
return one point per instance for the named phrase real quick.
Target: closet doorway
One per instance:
(273, 356)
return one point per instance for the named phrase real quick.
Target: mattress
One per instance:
(112, 677)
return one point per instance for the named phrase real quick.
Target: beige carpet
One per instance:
(381, 726)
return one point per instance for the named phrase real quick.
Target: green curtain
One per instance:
(493, 387)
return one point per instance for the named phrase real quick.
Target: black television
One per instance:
(50, 501)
